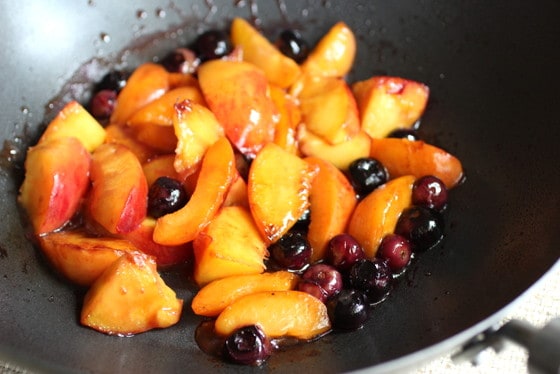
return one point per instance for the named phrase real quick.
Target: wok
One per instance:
(492, 70)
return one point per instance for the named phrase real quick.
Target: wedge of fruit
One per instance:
(406, 157)
(237, 94)
(278, 188)
(196, 128)
(165, 255)
(160, 138)
(377, 214)
(82, 258)
(75, 121)
(278, 68)
(160, 111)
(148, 82)
(337, 124)
(126, 136)
(56, 180)
(213, 298)
(279, 314)
(289, 117)
(334, 55)
(229, 245)
(161, 166)
(118, 198)
(389, 103)
(129, 298)
(332, 202)
(340, 155)
(216, 175)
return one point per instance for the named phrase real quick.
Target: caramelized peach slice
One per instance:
(278, 187)
(389, 103)
(160, 138)
(130, 298)
(237, 194)
(119, 194)
(403, 157)
(161, 166)
(229, 245)
(332, 202)
(177, 80)
(81, 258)
(216, 174)
(334, 55)
(289, 117)
(278, 68)
(329, 110)
(377, 214)
(165, 255)
(237, 94)
(56, 180)
(160, 111)
(213, 298)
(196, 129)
(148, 82)
(124, 135)
(74, 121)
(340, 155)
(279, 313)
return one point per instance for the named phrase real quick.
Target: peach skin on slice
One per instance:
(229, 245)
(119, 193)
(332, 202)
(56, 180)
(81, 258)
(377, 214)
(334, 55)
(160, 111)
(278, 68)
(403, 156)
(340, 155)
(74, 121)
(279, 313)
(148, 82)
(237, 93)
(196, 129)
(165, 255)
(278, 187)
(216, 175)
(129, 298)
(389, 103)
(213, 298)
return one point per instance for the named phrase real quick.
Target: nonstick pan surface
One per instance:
(492, 70)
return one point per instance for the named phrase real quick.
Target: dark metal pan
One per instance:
(492, 70)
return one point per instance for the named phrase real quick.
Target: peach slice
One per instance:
(237, 93)
(129, 298)
(389, 103)
(332, 202)
(196, 128)
(160, 138)
(177, 80)
(229, 245)
(402, 157)
(278, 187)
(334, 55)
(124, 135)
(75, 121)
(165, 255)
(148, 82)
(160, 111)
(340, 155)
(161, 166)
(328, 109)
(213, 298)
(279, 314)
(237, 194)
(216, 175)
(278, 68)
(377, 214)
(119, 194)
(81, 258)
(56, 180)
(289, 117)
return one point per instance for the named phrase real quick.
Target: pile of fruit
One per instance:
(298, 196)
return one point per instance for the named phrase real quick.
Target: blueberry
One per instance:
(166, 195)
(292, 44)
(396, 250)
(409, 134)
(181, 60)
(343, 251)
(430, 192)
(373, 277)
(114, 80)
(212, 44)
(248, 346)
(423, 227)
(326, 277)
(292, 251)
(102, 104)
(366, 174)
(348, 310)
